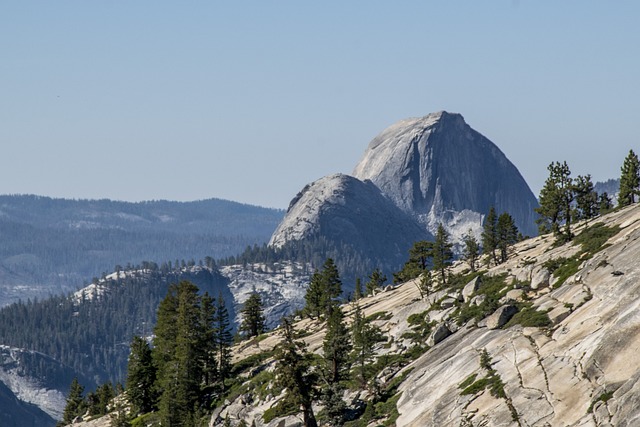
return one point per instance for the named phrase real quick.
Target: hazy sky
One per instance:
(250, 101)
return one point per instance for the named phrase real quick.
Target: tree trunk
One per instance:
(309, 418)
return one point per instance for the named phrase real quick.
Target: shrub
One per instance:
(528, 316)
(380, 315)
(593, 239)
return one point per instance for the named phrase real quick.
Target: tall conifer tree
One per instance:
(364, 337)
(556, 199)
(75, 403)
(490, 235)
(252, 316)
(223, 340)
(181, 377)
(141, 377)
(629, 180)
(294, 373)
(376, 281)
(507, 235)
(442, 253)
(471, 249)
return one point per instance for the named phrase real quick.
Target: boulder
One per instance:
(471, 288)
(448, 302)
(438, 335)
(524, 275)
(513, 295)
(477, 300)
(540, 278)
(501, 316)
(559, 313)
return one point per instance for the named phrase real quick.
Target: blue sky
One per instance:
(250, 101)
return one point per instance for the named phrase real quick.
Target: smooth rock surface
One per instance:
(442, 171)
(441, 332)
(471, 288)
(501, 316)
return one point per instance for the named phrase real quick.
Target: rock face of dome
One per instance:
(438, 169)
(346, 211)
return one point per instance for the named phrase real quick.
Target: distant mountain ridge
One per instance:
(52, 246)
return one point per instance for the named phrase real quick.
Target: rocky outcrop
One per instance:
(438, 169)
(501, 316)
(471, 288)
(438, 335)
(342, 211)
(582, 370)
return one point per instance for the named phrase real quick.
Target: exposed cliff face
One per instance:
(346, 211)
(439, 169)
(581, 370)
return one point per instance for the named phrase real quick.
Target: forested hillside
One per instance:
(50, 246)
(90, 331)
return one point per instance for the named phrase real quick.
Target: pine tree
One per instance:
(556, 199)
(331, 282)
(181, 377)
(252, 316)
(105, 394)
(420, 255)
(425, 284)
(357, 293)
(376, 281)
(295, 375)
(364, 337)
(586, 198)
(629, 180)
(141, 377)
(442, 253)
(490, 235)
(336, 348)
(507, 235)
(75, 406)
(471, 249)
(207, 346)
(604, 203)
(314, 296)
(324, 290)
(223, 341)
(165, 333)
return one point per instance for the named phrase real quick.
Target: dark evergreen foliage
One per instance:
(336, 347)
(295, 374)
(470, 250)
(364, 336)
(253, 316)
(59, 244)
(420, 256)
(75, 406)
(629, 180)
(376, 281)
(556, 198)
(490, 235)
(324, 290)
(141, 377)
(92, 335)
(507, 234)
(587, 205)
(442, 253)
(223, 339)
